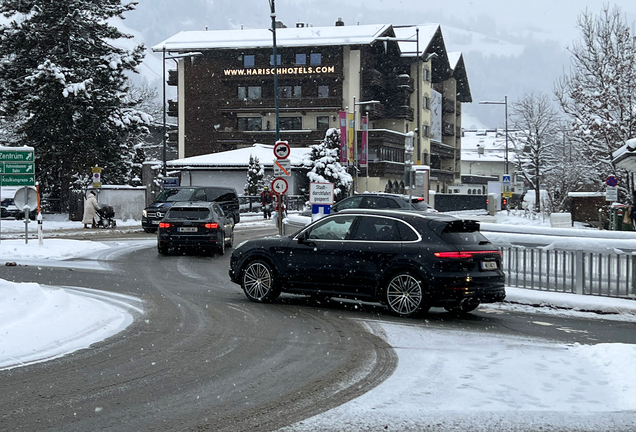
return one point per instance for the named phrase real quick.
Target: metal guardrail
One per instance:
(577, 272)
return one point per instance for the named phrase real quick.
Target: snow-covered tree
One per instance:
(254, 182)
(537, 124)
(599, 93)
(64, 82)
(324, 164)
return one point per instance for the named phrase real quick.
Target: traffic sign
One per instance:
(505, 179)
(16, 154)
(18, 168)
(611, 194)
(281, 150)
(611, 181)
(97, 177)
(279, 185)
(17, 180)
(282, 167)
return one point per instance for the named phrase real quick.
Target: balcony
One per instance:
(444, 176)
(173, 77)
(300, 104)
(448, 105)
(173, 108)
(298, 138)
(405, 82)
(373, 77)
(400, 112)
(442, 150)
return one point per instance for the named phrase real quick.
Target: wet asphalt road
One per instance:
(202, 357)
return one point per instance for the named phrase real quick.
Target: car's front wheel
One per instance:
(230, 242)
(404, 295)
(220, 248)
(258, 282)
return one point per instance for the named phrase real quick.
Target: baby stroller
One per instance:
(106, 216)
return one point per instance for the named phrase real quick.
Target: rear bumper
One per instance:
(189, 241)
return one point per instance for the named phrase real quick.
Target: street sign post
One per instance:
(611, 194)
(282, 167)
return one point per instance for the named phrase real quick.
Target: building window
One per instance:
(252, 92)
(427, 74)
(426, 130)
(315, 59)
(288, 92)
(250, 123)
(271, 60)
(301, 59)
(323, 91)
(322, 123)
(248, 61)
(291, 123)
(427, 103)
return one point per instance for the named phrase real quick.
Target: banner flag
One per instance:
(342, 116)
(365, 142)
(351, 132)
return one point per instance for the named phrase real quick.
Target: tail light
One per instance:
(465, 254)
(164, 225)
(212, 225)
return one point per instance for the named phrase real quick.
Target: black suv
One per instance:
(384, 201)
(226, 197)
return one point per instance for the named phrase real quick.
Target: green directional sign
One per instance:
(17, 180)
(16, 155)
(18, 168)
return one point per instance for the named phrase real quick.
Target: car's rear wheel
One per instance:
(162, 249)
(404, 295)
(150, 230)
(258, 282)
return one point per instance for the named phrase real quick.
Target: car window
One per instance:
(173, 195)
(332, 229)
(190, 213)
(200, 195)
(371, 228)
(216, 194)
(376, 202)
(218, 210)
(352, 202)
(407, 233)
(463, 232)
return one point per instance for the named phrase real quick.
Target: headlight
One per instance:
(144, 213)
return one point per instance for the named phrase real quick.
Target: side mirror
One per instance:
(304, 237)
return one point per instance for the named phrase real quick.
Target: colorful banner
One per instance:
(352, 131)
(342, 115)
(365, 142)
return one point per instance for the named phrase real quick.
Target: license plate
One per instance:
(155, 222)
(489, 265)
(187, 229)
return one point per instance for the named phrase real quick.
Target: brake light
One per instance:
(164, 225)
(465, 254)
(212, 225)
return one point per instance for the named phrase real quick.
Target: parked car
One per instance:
(9, 209)
(195, 225)
(384, 201)
(224, 196)
(409, 261)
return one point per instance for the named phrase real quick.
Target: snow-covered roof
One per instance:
(262, 38)
(240, 157)
(426, 33)
(494, 145)
(625, 157)
(453, 58)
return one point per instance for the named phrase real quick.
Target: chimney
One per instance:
(300, 25)
(340, 23)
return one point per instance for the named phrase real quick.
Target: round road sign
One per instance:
(611, 181)
(281, 150)
(279, 185)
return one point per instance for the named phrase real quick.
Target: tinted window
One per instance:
(221, 195)
(372, 228)
(375, 202)
(407, 233)
(191, 213)
(353, 202)
(172, 195)
(463, 232)
(418, 203)
(332, 229)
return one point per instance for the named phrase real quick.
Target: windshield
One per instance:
(463, 232)
(172, 195)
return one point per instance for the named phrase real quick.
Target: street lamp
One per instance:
(505, 103)
(174, 57)
(272, 7)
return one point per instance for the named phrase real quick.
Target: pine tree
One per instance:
(254, 182)
(64, 83)
(324, 164)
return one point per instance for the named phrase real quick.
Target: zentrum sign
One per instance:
(302, 70)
